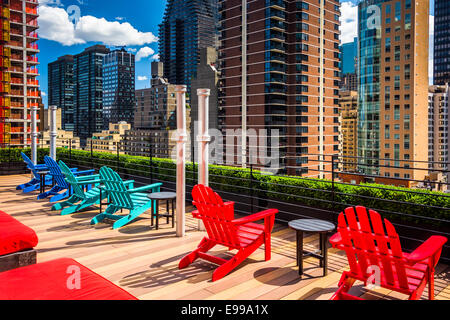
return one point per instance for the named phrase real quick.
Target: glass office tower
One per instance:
(187, 26)
(441, 42)
(118, 87)
(60, 89)
(88, 92)
(393, 88)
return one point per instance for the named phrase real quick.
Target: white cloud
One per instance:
(349, 21)
(43, 93)
(142, 78)
(144, 53)
(56, 25)
(155, 57)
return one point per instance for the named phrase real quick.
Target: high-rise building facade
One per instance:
(88, 91)
(441, 42)
(118, 87)
(60, 89)
(438, 124)
(207, 78)
(279, 64)
(349, 61)
(187, 26)
(19, 88)
(348, 103)
(393, 87)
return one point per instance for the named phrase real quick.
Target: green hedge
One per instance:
(13, 154)
(309, 192)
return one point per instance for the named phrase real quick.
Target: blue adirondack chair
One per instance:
(122, 198)
(35, 182)
(61, 189)
(80, 198)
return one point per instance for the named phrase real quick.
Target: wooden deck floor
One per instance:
(144, 261)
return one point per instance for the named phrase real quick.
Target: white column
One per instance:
(244, 85)
(181, 160)
(203, 139)
(53, 131)
(34, 134)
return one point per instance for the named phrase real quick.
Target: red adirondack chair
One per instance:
(369, 249)
(241, 234)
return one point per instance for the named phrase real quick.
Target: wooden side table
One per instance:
(156, 197)
(323, 228)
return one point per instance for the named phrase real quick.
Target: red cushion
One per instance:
(15, 236)
(52, 281)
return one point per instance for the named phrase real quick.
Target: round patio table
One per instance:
(321, 227)
(42, 182)
(156, 197)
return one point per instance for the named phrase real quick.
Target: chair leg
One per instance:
(68, 203)
(345, 284)
(268, 246)
(76, 208)
(431, 286)
(59, 197)
(31, 188)
(204, 246)
(108, 212)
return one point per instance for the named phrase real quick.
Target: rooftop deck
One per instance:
(144, 261)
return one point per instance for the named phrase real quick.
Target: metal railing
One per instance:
(417, 211)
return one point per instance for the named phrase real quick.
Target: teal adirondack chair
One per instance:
(122, 198)
(80, 199)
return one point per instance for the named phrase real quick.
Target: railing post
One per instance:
(70, 151)
(203, 139)
(333, 190)
(151, 160)
(53, 131)
(181, 161)
(252, 205)
(34, 134)
(92, 157)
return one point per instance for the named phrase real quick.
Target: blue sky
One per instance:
(143, 15)
(69, 26)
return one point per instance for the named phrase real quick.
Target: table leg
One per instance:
(300, 252)
(325, 254)
(157, 215)
(167, 207)
(173, 213)
(153, 211)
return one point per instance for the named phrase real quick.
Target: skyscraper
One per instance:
(88, 91)
(441, 42)
(60, 89)
(19, 88)
(279, 64)
(188, 25)
(393, 90)
(118, 87)
(349, 59)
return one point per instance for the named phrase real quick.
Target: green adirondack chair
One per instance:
(122, 198)
(80, 199)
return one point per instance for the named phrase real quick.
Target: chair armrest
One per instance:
(94, 176)
(427, 249)
(87, 172)
(40, 166)
(256, 217)
(153, 187)
(88, 182)
(74, 169)
(38, 169)
(335, 240)
(129, 184)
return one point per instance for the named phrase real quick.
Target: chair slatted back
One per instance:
(30, 165)
(216, 216)
(367, 246)
(56, 173)
(72, 180)
(116, 189)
